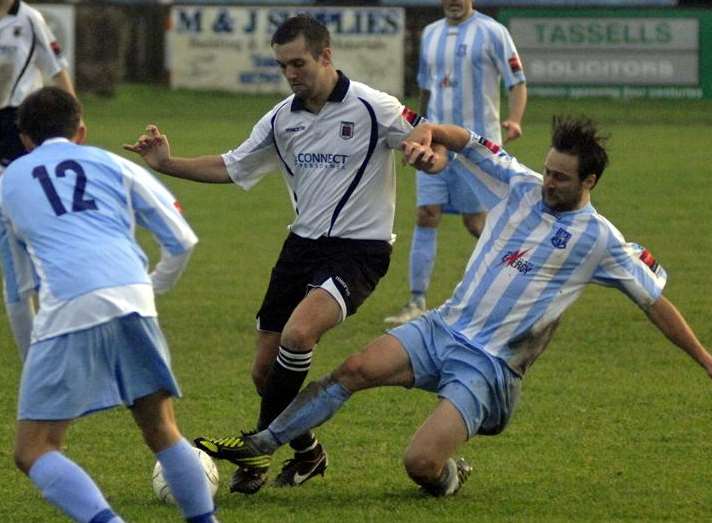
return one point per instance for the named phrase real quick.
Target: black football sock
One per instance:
(288, 373)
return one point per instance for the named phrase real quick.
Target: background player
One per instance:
(96, 342)
(463, 59)
(29, 52)
(542, 243)
(333, 142)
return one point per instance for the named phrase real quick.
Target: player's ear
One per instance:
(27, 142)
(590, 181)
(81, 134)
(325, 56)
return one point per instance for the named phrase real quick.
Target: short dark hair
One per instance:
(580, 137)
(49, 113)
(316, 35)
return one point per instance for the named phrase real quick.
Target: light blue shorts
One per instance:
(109, 364)
(482, 388)
(450, 189)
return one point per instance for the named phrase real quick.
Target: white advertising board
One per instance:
(228, 47)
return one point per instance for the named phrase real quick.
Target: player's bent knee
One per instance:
(299, 337)
(421, 467)
(355, 373)
(160, 435)
(428, 216)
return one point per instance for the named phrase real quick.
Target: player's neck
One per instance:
(316, 102)
(459, 21)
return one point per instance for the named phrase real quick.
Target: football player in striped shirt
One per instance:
(542, 244)
(464, 57)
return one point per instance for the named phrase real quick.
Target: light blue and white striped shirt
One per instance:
(531, 264)
(462, 65)
(73, 210)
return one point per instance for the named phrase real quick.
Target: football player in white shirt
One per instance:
(71, 210)
(333, 141)
(542, 243)
(464, 57)
(28, 52)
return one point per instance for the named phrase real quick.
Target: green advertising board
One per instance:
(655, 53)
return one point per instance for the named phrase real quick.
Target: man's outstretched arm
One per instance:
(668, 319)
(155, 150)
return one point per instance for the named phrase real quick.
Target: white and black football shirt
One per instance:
(338, 164)
(28, 50)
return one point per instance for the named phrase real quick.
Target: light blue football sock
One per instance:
(423, 248)
(186, 478)
(315, 404)
(65, 484)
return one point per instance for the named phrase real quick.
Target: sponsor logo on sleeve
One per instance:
(515, 64)
(648, 259)
(56, 49)
(493, 147)
(411, 116)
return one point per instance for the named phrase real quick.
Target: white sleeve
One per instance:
(50, 58)
(21, 315)
(256, 156)
(168, 270)
(18, 286)
(395, 119)
(156, 209)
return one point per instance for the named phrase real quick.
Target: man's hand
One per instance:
(514, 130)
(422, 134)
(423, 157)
(152, 146)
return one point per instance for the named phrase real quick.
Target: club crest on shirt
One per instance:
(346, 132)
(461, 50)
(17, 31)
(561, 238)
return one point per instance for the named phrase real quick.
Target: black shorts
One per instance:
(10, 145)
(350, 267)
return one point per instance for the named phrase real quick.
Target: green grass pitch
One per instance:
(614, 422)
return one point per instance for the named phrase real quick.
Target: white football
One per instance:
(163, 492)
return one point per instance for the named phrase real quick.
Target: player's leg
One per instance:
(137, 353)
(423, 250)
(62, 378)
(432, 194)
(62, 482)
(345, 273)
(465, 200)
(267, 348)
(316, 313)
(384, 362)
(181, 466)
(428, 459)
